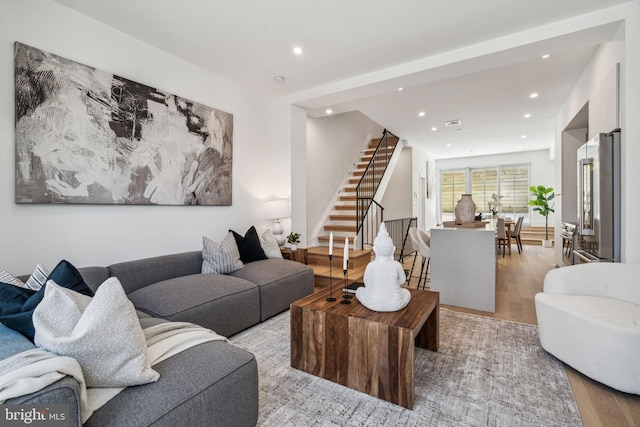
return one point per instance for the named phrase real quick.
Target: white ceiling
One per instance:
(358, 52)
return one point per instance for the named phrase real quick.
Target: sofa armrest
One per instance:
(65, 391)
(607, 280)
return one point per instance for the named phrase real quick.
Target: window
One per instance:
(452, 186)
(484, 183)
(509, 181)
(514, 187)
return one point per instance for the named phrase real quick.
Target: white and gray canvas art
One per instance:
(89, 136)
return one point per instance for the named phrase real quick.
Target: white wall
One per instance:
(631, 136)
(627, 52)
(420, 159)
(397, 200)
(334, 144)
(99, 235)
(542, 170)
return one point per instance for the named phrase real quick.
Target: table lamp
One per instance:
(276, 210)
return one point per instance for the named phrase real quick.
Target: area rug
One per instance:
(487, 372)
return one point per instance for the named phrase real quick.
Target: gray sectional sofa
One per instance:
(211, 384)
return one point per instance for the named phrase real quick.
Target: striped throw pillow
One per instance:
(223, 258)
(7, 278)
(38, 278)
(35, 282)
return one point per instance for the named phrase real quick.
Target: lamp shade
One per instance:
(276, 209)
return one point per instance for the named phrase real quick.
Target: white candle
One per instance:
(345, 257)
(331, 243)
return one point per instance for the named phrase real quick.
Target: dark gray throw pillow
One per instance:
(249, 246)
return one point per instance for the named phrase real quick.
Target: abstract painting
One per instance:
(89, 136)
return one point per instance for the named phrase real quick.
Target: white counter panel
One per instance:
(463, 267)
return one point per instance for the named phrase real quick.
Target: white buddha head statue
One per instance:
(383, 244)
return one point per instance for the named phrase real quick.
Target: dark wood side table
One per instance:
(299, 255)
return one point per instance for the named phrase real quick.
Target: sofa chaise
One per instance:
(214, 383)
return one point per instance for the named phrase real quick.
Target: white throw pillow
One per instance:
(223, 258)
(102, 333)
(270, 245)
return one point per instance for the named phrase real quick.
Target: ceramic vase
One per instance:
(465, 209)
(293, 247)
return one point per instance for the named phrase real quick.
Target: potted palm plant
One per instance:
(541, 196)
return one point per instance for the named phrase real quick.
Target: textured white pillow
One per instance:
(270, 245)
(223, 258)
(102, 333)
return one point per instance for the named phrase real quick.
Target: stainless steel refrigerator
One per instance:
(599, 199)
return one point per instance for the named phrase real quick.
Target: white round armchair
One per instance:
(589, 317)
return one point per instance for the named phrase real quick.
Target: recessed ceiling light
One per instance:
(526, 116)
(523, 136)
(448, 145)
(421, 113)
(545, 56)
(279, 79)
(434, 128)
(519, 146)
(400, 89)
(533, 95)
(297, 50)
(328, 111)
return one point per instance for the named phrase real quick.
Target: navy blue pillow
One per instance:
(18, 304)
(249, 246)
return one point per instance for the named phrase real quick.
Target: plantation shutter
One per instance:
(514, 187)
(452, 187)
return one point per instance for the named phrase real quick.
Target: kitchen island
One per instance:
(463, 266)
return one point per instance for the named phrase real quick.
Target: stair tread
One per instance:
(342, 217)
(334, 227)
(345, 207)
(324, 250)
(326, 272)
(325, 238)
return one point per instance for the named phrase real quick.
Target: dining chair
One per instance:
(501, 235)
(515, 234)
(421, 243)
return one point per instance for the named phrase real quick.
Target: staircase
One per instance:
(343, 219)
(318, 260)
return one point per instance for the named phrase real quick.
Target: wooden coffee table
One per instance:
(365, 350)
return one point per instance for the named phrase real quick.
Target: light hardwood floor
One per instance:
(519, 278)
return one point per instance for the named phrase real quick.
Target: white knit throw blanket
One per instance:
(33, 370)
